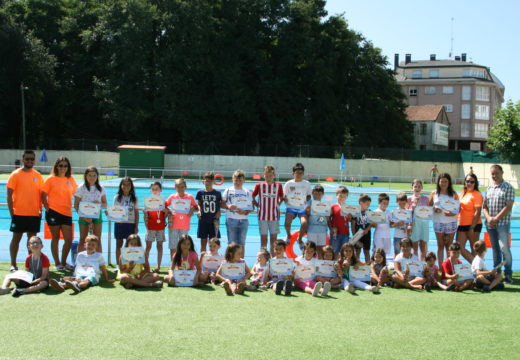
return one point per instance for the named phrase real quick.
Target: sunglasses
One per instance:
(470, 181)
(63, 166)
(28, 159)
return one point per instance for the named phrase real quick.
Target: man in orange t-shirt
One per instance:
(24, 202)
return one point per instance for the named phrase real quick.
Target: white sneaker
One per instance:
(326, 289)
(317, 288)
(350, 288)
(73, 285)
(375, 289)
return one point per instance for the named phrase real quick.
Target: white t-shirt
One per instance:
(299, 188)
(229, 197)
(89, 264)
(383, 230)
(441, 217)
(403, 261)
(303, 261)
(125, 201)
(92, 195)
(478, 264)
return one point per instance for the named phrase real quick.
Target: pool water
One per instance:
(253, 237)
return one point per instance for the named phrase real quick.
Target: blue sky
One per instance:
(489, 32)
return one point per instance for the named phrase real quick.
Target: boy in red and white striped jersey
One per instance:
(270, 195)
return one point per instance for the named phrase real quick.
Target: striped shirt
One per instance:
(269, 200)
(496, 198)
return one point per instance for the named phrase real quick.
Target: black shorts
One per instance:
(489, 278)
(366, 240)
(22, 284)
(54, 218)
(25, 224)
(465, 228)
(206, 231)
(123, 230)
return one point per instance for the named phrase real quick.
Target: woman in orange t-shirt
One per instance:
(57, 193)
(470, 222)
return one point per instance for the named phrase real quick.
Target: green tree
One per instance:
(504, 135)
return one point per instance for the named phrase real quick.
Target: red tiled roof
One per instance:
(423, 113)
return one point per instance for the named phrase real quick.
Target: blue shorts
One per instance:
(123, 230)
(420, 230)
(296, 212)
(91, 278)
(338, 243)
(397, 245)
(206, 231)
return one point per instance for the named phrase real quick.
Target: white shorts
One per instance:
(155, 235)
(318, 239)
(269, 226)
(174, 236)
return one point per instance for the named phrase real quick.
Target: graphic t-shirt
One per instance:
(209, 202)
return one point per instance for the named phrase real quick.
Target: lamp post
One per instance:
(22, 89)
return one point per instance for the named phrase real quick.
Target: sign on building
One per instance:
(440, 134)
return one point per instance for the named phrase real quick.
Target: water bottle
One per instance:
(74, 252)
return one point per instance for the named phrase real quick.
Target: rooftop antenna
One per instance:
(451, 49)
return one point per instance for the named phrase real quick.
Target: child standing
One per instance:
(36, 263)
(123, 229)
(380, 275)
(259, 271)
(382, 233)
(155, 221)
(296, 193)
(89, 266)
(401, 276)
(209, 201)
(280, 282)
(318, 224)
(449, 276)
(236, 219)
(361, 222)
(485, 279)
(309, 259)
(135, 275)
(419, 228)
(270, 195)
(400, 227)
(185, 258)
(233, 256)
(431, 273)
(339, 223)
(209, 268)
(349, 259)
(179, 221)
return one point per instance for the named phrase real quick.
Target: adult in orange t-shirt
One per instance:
(470, 222)
(23, 199)
(57, 193)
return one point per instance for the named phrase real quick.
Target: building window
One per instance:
(466, 93)
(465, 112)
(434, 73)
(422, 129)
(464, 129)
(482, 93)
(417, 74)
(430, 90)
(474, 73)
(447, 89)
(481, 131)
(412, 91)
(448, 108)
(482, 112)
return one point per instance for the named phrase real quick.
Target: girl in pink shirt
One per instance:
(184, 258)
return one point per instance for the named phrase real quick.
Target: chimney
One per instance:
(463, 57)
(432, 57)
(396, 61)
(457, 58)
(408, 58)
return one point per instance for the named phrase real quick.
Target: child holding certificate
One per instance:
(485, 279)
(233, 272)
(379, 271)
(155, 221)
(89, 266)
(280, 270)
(431, 273)
(125, 227)
(181, 207)
(450, 276)
(36, 275)
(210, 261)
(259, 271)
(420, 227)
(400, 227)
(135, 275)
(382, 236)
(318, 223)
(305, 280)
(335, 280)
(184, 258)
(347, 262)
(209, 201)
(401, 276)
(339, 223)
(360, 222)
(93, 194)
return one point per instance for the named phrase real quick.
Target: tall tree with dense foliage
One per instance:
(504, 135)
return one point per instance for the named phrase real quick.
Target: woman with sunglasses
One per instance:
(57, 193)
(470, 221)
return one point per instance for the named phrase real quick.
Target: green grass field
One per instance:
(110, 322)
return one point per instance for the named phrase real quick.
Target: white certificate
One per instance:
(118, 213)
(305, 272)
(464, 271)
(403, 215)
(353, 210)
(280, 267)
(326, 268)
(424, 212)
(450, 205)
(184, 277)
(86, 269)
(358, 235)
(320, 208)
(295, 201)
(153, 203)
(415, 268)
(376, 217)
(89, 209)
(233, 271)
(243, 203)
(135, 254)
(181, 206)
(210, 263)
(362, 273)
(23, 275)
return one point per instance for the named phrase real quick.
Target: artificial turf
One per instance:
(110, 322)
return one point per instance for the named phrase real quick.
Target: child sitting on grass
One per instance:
(280, 281)
(485, 279)
(309, 285)
(36, 263)
(233, 272)
(259, 271)
(347, 261)
(379, 271)
(184, 258)
(210, 261)
(401, 276)
(89, 266)
(431, 273)
(449, 275)
(335, 281)
(136, 275)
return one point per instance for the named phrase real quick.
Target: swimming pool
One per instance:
(253, 238)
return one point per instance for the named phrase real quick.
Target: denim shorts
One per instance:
(296, 212)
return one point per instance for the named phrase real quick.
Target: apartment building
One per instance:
(469, 92)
